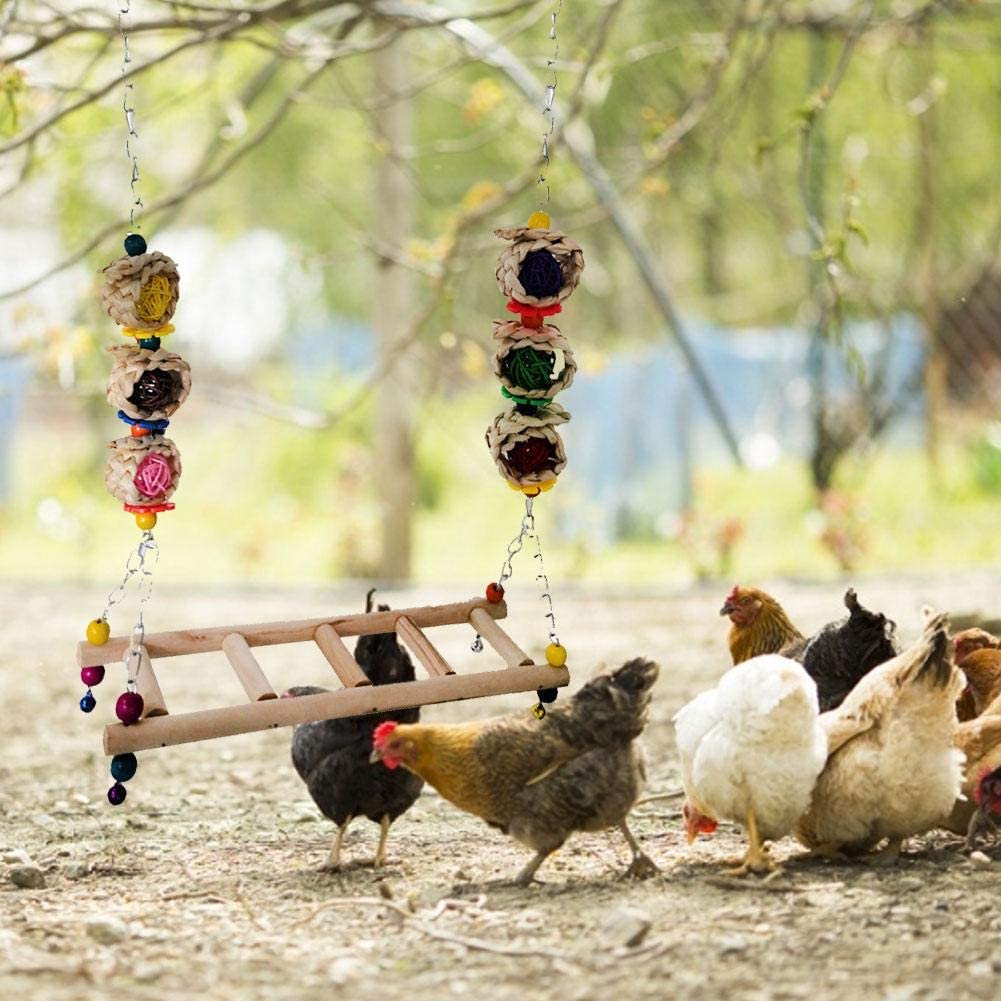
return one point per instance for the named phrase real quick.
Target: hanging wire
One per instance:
(128, 95)
(548, 108)
(543, 578)
(141, 564)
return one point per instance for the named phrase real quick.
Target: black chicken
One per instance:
(843, 652)
(332, 756)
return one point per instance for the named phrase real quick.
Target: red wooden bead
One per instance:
(495, 593)
(139, 432)
(532, 322)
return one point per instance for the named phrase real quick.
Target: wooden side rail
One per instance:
(206, 724)
(422, 648)
(512, 654)
(149, 688)
(334, 649)
(185, 641)
(255, 684)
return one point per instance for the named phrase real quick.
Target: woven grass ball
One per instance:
(141, 292)
(526, 362)
(536, 254)
(147, 385)
(526, 447)
(142, 471)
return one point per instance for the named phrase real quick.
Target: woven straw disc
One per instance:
(141, 291)
(123, 463)
(567, 253)
(552, 341)
(130, 363)
(512, 427)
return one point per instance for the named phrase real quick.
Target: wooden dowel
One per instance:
(257, 687)
(149, 688)
(345, 666)
(422, 648)
(513, 655)
(185, 641)
(183, 728)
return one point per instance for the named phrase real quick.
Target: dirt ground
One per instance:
(206, 883)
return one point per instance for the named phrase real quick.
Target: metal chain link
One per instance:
(548, 109)
(142, 563)
(128, 92)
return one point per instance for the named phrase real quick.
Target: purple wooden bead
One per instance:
(129, 707)
(117, 794)
(92, 676)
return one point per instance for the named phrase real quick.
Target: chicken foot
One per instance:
(380, 852)
(980, 823)
(641, 866)
(334, 859)
(889, 854)
(527, 875)
(757, 859)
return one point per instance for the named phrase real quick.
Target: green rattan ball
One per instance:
(530, 369)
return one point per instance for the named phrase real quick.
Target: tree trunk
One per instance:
(394, 466)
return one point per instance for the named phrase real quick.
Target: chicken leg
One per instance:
(334, 859)
(528, 873)
(757, 859)
(641, 866)
(380, 852)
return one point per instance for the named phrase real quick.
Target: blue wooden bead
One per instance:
(123, 767)
(149, 343)
(135, 245)
(88, 702)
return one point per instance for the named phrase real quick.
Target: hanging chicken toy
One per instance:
(534, 362)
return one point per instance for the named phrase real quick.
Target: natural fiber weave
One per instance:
(512, 427)
(553, 341)
(567, 253)
(131, 363)
(141, 292)
(126, 456)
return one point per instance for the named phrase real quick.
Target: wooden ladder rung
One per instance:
(255, 684)
(334, 649)
(149, 688)
(487, 627)
(422, 648)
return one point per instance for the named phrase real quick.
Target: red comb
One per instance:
(381, 733)
(733, 594)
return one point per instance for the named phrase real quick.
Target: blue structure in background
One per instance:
(13, 382)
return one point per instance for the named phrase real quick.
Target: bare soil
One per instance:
(207, 882)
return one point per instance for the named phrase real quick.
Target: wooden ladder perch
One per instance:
(358, 697)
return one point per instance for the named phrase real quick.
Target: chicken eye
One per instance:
(746, 600)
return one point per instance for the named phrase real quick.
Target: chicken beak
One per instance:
(375, 756)
(727, 608)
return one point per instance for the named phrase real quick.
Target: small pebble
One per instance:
(981, 969)
(625, 927)
(107, 931)
(17, 856)
(979, 858)
(27, 877)
(79, 797)
(77, 870)
(730, 944)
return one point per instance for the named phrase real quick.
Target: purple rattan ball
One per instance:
(117, 794)
(92, 676)
(129, 707)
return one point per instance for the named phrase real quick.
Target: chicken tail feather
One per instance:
(611, 709)
(932, 665)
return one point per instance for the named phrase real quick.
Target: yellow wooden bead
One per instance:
(539, 220)
(539, 711)
(146, 520)
(556, 655)
(98, 632)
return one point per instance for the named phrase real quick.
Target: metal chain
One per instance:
(142, 563)
(128, 90)
(543, 579)
(548, 109)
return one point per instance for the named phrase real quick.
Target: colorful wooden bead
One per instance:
(129, 707)
(146, 520)
(539, 711)
(98, 632)
(548, 694)
(539, 220)
(92, 675)
(138, 431)
(556, 655)
(495, 593)
(135, 245)
(117, 794)
(87, 703)
(123, 767)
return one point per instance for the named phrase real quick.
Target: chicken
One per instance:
(979, 740)
(751, 750)
(987, 816)
(578, 769)
(893, 769)
(979, 658)
(759, 625)
(331, 756)
(836, 657)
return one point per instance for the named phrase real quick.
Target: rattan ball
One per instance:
(142, 471)
(147, 385)
(141, 292)
(526, 448)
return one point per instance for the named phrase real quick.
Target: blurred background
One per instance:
(788, 330)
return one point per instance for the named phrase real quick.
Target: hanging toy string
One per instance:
(128, 95)
(548, 108)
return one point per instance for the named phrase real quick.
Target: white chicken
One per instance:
(894, 769)
(751, 750)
